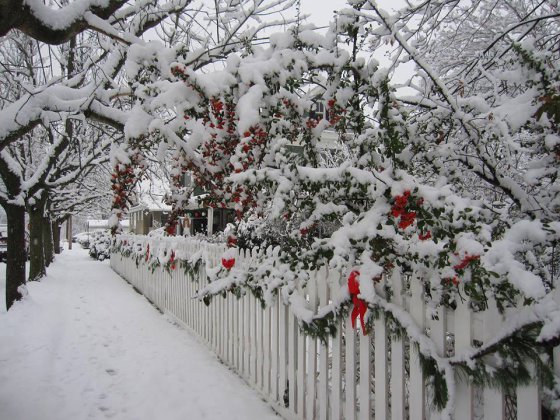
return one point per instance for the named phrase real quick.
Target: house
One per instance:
(150, 211)
(95, 225)
(207, 220)
(145, 218)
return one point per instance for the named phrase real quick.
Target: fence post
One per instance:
(494, 404)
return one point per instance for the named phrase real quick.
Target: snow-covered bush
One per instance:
(100, 245)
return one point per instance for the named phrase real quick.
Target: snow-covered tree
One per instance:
(57, 23)
(198, 42)
(454, 178)
(52, 94)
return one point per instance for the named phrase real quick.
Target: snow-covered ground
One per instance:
(84, 345)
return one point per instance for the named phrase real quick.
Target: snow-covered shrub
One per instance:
(100, 245)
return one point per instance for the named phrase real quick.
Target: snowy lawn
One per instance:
(84, 345)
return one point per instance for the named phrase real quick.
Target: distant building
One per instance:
(94, 225)
(145, 218)
(150, 211)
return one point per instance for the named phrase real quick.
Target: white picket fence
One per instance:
(351, 376)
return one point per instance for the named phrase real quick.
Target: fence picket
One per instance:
(312, 353)
(529, 402)
(266, 351)
(292, 361)
(253, 336)
(381, 374)
(494, 401)
(336, 359)
(246, 337)
(301, 377)
(274, 344)
(240, 336)
(438, 332)
(464, 392)
(397, 356)
(259, 338)
(323, 385)
(364, 386)
(351, 374)
(283, 351)
(417, 396)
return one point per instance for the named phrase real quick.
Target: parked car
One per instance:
(100, 244)
(4, 244)
(3, 249)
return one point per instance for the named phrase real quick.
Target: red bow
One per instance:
(360, 306)
(228, 263)
(172, 260)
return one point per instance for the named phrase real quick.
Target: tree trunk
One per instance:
(69, 231)
(37, 267)
(48, 241)
(56, 236)
(15, 264)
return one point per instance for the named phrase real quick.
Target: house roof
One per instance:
(104, 223)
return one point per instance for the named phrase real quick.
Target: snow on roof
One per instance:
(104, 224)
(97, 223)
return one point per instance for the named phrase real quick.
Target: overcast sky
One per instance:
(321, 11)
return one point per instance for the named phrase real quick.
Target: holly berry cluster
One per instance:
(122, 181)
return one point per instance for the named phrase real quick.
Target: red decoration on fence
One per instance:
(228, 263)
(231, 241)
(147, 253)
(172, 260)
(360, 306)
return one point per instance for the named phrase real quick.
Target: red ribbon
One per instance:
(228, 263)
(172, 260)
(148, 252)
(360, 306)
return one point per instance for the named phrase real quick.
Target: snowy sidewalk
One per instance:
(84, 345)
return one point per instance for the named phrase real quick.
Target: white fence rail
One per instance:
(351, 376)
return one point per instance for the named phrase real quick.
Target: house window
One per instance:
(318, 111)
(164, 218)
(199, 221)
(187, 179)
(221, 218)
